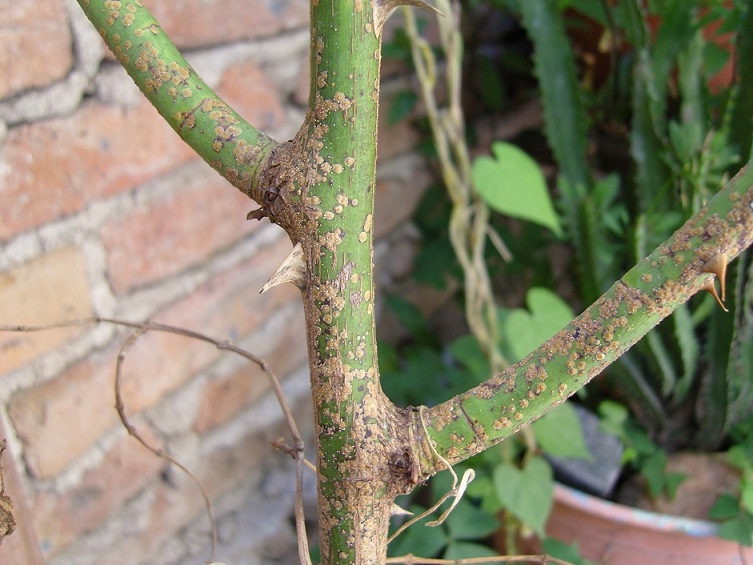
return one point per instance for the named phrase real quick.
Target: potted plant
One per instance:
(688, 387)
(638, 151)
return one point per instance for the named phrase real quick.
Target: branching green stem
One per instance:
(677, 269)
(232, 146)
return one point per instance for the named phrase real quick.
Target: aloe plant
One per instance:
(319, 188)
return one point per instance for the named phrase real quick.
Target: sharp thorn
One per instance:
(292, 270)
(257, 214)
(717, 265)
(711, 287)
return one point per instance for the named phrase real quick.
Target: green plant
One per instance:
(687, 384)
(319, 188)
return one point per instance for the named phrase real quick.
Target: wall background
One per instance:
(104, 211)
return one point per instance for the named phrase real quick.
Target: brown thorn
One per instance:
(717, 265)
(711, 287)
(292, 270)
(258, 214)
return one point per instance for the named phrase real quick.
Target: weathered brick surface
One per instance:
(59, 420)
(125, 469)
(56, 167)
(228, 307)
(224, 398)
(50, 289)
(35, 44)
(248, 90)
(203, 214)
(211, 22)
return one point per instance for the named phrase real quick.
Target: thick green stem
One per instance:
(354, 421)
(677, 269)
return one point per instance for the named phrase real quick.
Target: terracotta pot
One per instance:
(613, 534)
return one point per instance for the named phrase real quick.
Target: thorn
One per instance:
(257, 214)
(292, 270)
(711, 287)
(717, 265)
(383, 8)
(396, 510)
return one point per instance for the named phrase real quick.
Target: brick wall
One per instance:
(106, 212)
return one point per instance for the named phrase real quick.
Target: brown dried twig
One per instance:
(297, 451)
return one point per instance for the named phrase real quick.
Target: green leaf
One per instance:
(492, 89)
(525, 330)
(411, 319)
(464, 550)
(746, 491)
(726, 506)
(419, 539)
(560, 550)
(559, 433)
(468, 352)
(402, 105)
(512, 183)
(468, 522)
(565, 119)
(738, 529)
(527, 493)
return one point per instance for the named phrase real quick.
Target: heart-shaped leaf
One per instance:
(527, 493)
(512, 183)
(560, 433)
(525, 330)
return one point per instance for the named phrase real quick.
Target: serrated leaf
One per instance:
(512, 183)
(527, 493)
(560, 434)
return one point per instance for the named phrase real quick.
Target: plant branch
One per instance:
(232, 146)
(688, 262)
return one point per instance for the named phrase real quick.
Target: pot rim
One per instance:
(633, 516)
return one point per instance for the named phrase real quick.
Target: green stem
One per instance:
(677, 269)
(355, 424)
(232, 146)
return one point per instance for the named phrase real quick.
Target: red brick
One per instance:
(223, 399)
(229, 306)
(211, 22)
(249, 91)
(35, 44)
(50, 289)
(126, 468)
(203, 215)
(59, 420)
(56, 167)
